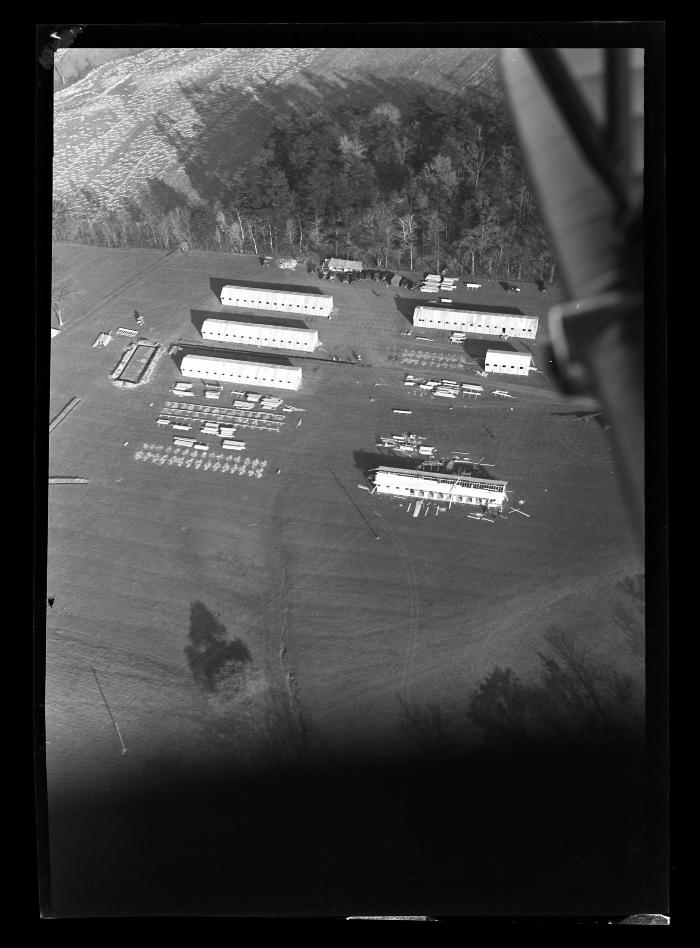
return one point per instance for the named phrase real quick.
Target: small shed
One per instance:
(346, 266)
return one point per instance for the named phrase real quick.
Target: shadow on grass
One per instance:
(368, 461)
(211, 656)
(477, 348)
(224, 352)
(406, 307)
(586, 416)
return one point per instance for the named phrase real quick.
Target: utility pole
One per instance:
(109, 712)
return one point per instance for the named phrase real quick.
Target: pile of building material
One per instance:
(102, 340)
(287, 263)
(406, 444)
(445, 388)
(268, 401)
(182, 388)
(433, 282)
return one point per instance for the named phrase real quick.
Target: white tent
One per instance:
(281, 301)
(511, 322)
(253, 334)
(252, 374)
(507, 363)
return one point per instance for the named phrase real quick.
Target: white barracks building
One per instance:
(252, 334)
(277, 300)
(506, 322)
(507, 363)
(263, 374)
(448, 488)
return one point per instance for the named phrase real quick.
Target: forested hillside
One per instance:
(434, 182)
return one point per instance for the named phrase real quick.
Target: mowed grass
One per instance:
(422, 613)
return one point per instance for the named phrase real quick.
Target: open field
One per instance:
(342, 622)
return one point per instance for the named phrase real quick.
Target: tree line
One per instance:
(437, 184)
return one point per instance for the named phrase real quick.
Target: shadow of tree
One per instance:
(576, 699)
(211, 656)
(231, 125)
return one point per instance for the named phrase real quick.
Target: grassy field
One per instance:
(339, 624)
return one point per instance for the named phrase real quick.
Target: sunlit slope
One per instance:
(175, 115)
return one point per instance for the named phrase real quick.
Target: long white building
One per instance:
(277, 300)
(253, 334)
(507, 363)
(447, 488)
(258, 374)
(507, 322)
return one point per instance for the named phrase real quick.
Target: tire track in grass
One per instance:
(414, 607)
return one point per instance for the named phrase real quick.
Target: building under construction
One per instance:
(508, 321)
(446, 488)
(254, 334)
(282, 301)
(240, 372)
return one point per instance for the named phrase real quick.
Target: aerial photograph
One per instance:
(320, 316)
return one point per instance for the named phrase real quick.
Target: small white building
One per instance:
(263, 374)
(253, 334)
(277, 300)
(506, 322)
(507, 363)
(446, 488)
(335, 264)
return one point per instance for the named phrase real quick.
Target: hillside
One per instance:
(70, 64)
(141, 117)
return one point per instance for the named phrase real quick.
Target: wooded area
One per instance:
(439, 184)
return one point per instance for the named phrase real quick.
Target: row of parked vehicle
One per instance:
(353, 276)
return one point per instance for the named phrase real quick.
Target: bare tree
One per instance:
(62, 291)
(476, 159)
(291, 229)
(407, 228)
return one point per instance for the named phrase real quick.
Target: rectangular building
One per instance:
(507, 363)
(506, 322)
(264, 374)
(252, 334)
(277, 300)
(345, 266)
(446, 488)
